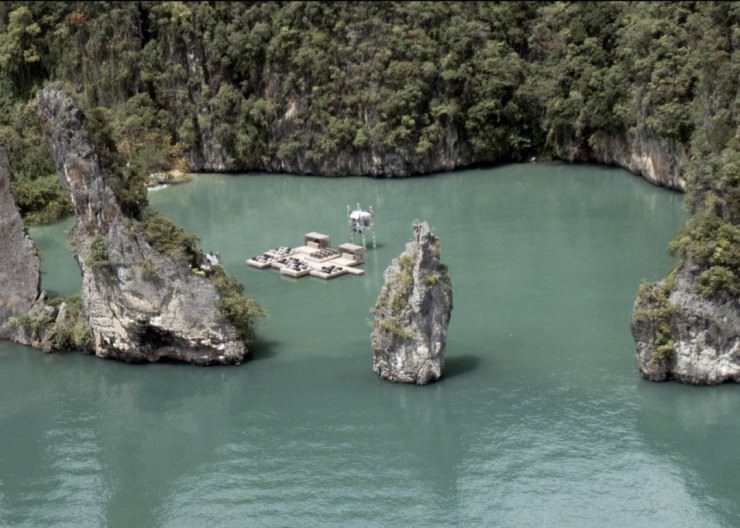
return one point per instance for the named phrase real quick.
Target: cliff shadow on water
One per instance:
(689, 430)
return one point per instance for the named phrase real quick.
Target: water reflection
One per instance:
(155, 425)
(427, 419)
(539, 421)
(694, 429)
(43, 426)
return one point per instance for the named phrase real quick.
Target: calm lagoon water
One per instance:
(542, 419)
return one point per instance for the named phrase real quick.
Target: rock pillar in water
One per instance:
(412, 312)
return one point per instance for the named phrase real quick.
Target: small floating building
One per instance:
(316, 240)
(315, 257)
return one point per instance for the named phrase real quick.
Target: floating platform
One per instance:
(278, 263)
(315, 258)
(260, 262)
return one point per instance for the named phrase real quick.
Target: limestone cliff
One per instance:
(412, 312)
(207, 153)
(26, 315)
(288, 142)
(376, 159)
(141, 304)
(643, 152)
(683, 336)
(19, 262)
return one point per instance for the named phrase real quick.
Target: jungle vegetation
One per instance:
(506, 80)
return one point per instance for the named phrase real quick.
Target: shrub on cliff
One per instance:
(710, 241)
(128, 185)
(169, 238)
(655, 310)
(712, 248)
(98, 257)
(41, 200)
(239, 309)
(36, 188)
(60, 331)
(70, 332)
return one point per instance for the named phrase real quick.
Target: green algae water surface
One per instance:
(542, 419)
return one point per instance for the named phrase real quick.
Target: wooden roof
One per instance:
(317, 236)
(349, 246)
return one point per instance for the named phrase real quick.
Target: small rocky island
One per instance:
(412, 312)
(681, 335)
(141, 303)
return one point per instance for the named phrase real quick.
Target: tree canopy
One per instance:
(246, 83)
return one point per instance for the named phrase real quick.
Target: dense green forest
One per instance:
(331, 88)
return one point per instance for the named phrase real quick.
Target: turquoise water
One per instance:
(542, 419)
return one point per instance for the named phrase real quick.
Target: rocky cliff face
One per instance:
(374, 159)
(291, 120)
(682, 336)
(141, 304)
(644, 153)
(208, 153)
(412, 312)
(378, 162)
(19, 263)
(25, 315)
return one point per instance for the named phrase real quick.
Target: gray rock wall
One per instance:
(19, 262)
(141, 304)
(411, 315)
(643, 152)
(704, 337)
